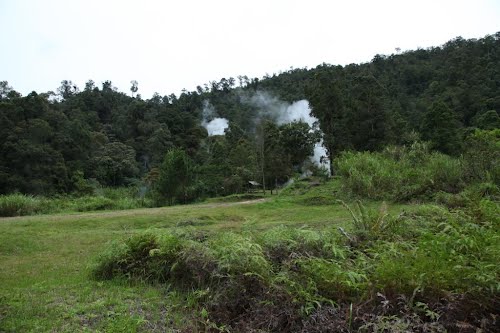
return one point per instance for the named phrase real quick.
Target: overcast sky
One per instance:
(170, 45)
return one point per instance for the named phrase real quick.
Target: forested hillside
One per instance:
(77, 138)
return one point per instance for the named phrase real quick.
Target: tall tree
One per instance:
(298, 140)
(442, 129)
(175, 176)
(114, 163)
(327, 104)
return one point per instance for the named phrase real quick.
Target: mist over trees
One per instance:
(49, 141)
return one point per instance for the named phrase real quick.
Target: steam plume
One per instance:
(214, 125)
(284, 113)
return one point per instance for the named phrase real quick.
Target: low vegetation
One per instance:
(311, 259)
(100, 199)
(429, 268)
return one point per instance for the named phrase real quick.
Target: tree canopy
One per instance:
(440, 94)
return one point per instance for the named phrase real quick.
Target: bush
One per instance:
(19, 204)
(145, 256)
(399, 174)
(370, 175)
(239, 255)
(332, 280)
(282, 244)
(482, 156)
(452, 253)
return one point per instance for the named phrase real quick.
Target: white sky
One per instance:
(170, 45)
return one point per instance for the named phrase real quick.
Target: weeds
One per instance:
(19, 204)
(411, 173)
(105, 199)
(418, 271)
(280, 279)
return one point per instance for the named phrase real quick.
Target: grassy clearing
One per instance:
(219, 266)
(44, 280)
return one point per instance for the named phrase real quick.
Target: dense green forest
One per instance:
(78, 138)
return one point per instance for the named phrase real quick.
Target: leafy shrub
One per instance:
(239, 255)
(401, 175)
(144, 256)
(458, 256)
(482, 156)
(19, 204)
(331, 279)
(283, 244)
(368, 174)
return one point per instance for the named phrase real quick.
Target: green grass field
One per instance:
(44, 278)
(45, 283)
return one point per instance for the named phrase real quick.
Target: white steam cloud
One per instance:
(284, 113)
(214, 125)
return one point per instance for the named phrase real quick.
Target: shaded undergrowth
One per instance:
(431, 269)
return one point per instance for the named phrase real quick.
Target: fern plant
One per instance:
(370, 224)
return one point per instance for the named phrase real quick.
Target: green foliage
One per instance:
(421, 256)
(371, 224)
(400, 174)
(488, 120)
(104, 199)
(144, 256)
(81, 185)
(413, 266)
(482, 156)
(93, 203)
(19, 204)
(442, 129)
(332, 280)
(282, 245)
(239, 255)
(298, 140)
(438, 94)
(459, 257)
(114, 163)
(175, 176)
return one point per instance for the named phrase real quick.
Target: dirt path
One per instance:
(129, 212)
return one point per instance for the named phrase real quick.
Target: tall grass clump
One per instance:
(459, 257)
(101, 199)
(19, 204)
(370, 175)
(400, 173)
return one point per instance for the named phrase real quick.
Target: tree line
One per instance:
(73, 139)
